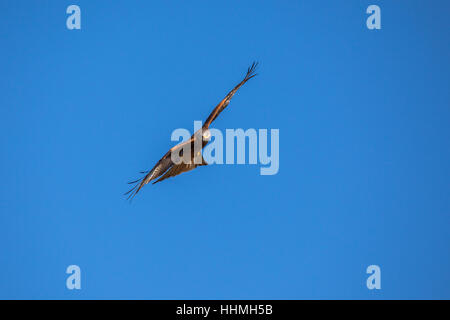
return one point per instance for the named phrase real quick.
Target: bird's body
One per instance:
(178, 159)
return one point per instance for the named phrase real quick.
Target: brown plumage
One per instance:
(166, 167)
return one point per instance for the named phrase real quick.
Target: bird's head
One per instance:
(206, 135)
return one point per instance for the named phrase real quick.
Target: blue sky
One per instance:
(364, 159)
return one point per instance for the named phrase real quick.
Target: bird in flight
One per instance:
(178, 159)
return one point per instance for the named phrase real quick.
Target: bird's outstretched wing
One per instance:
(224, 103)
(161, 166)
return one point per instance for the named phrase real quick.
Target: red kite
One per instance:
(166, 167)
